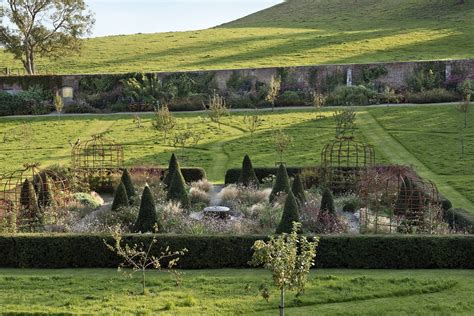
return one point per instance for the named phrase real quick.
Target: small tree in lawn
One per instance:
(318, 100)
(177, 190)
(298, 190)
(290, 215)
(129, 187)
(58, 104)
(253, 122)
(120, 197)
(139, 257)
(163, 121)
(282, 142)
(327, 202)
(247, 174)
(217, 108)
(147, 220)
(289, 258)
(282, 183)
(273, 90)
(172, 166)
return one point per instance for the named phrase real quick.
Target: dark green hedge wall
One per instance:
(368, 252)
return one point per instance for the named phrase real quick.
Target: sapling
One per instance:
(282, 142)
(273, 90)
(139, 257)
(289, 257)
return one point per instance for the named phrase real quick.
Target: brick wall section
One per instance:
(396, 77)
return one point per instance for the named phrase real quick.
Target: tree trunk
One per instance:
(29, 62)
(282, 302)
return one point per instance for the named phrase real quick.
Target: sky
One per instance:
(116, 17)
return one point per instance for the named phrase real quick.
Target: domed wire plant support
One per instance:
(26, 193)
(95, 162)
(396, 199)
(344, 161)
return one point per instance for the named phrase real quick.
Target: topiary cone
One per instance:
(327, 202)
(247, 174)
(120, 197)
(282, 183)
(177, 190)
(172, 167)
(147, 219)
(298, 190)
(290, 215)
(29, 201)
(129, 187)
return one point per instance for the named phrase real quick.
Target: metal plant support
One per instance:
(396, 199)
(95, 162)
(17, 206)
(344, 161)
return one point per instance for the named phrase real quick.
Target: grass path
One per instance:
(397, 153)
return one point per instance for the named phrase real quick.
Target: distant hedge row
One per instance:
(232, 175)
(190, 174)
(214, 252)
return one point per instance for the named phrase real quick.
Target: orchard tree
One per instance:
(44, 28)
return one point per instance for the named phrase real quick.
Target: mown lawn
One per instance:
(297, 32)
(426, 137)
(217, 292)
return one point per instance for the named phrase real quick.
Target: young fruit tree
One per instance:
(253, 122)
(217, 108)
(282, 142)
(44, 28)
(163, 121)
(140, 257)
(273, 90)
(289, 257)
(58, 104)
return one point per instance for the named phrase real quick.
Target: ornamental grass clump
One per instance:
(120, 198)
(282, 183)
(289, 257)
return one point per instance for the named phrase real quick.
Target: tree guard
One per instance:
(344, 160)
(25, 193)
(396, 199)
(96, 161)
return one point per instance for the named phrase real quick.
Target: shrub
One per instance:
(327, 202)
(432, 96)
(290, 215)
(282, 183)
(290, 98)
(425, 78)
(460, 219)
(177, 189)
(218, 252)
(120, 197)
(248, 177)
(298, 190)
(353, 95)
(172, 166)
(80, 107)
(232, 175)
(128, 184)
(87, 200)
(147, 217)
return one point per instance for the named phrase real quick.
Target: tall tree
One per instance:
(44, 28)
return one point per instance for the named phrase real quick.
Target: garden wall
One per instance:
(301, 77)
(214, 252)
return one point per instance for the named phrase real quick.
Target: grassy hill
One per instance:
(296, 32)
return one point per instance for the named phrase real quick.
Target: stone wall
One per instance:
(302, 76)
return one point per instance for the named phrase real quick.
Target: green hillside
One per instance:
(297, 32)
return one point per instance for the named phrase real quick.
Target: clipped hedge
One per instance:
(232, 175)
(460, 219)
(215, 252)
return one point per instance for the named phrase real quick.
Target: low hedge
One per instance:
(460, 219)
(232, 175)
(215, 252)
(190, 174)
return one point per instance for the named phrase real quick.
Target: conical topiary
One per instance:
(290, 215)
(282, 183)
(327, 202)
(129, 187)
(247, 174)
(120, 197)
(45, 194)
(30, 212)
(177, 189)
(298, 190)
(172, 166)
(147, 219)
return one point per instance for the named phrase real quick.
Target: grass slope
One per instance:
(297, 32)
(225, 292)
(426, 137)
